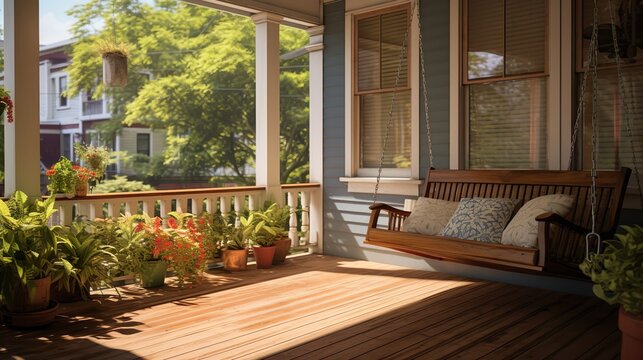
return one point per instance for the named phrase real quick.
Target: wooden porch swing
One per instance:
(562, 242)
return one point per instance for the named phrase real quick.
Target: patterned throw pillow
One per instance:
(523, 228)
(429, 216)
(481, 219)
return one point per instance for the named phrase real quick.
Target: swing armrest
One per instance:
(553, 218)
(396, 216)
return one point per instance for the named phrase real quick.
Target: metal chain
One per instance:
(622, 94)
(425, 93)
(392, 107)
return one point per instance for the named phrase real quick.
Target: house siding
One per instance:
(346, 214)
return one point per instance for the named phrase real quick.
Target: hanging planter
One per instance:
(114, 63)
(6, 104)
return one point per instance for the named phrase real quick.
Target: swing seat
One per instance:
(561, 240)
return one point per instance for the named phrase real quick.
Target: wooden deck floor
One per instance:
(325, 307)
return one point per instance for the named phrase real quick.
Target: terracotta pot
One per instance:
(82, 188)
(30, 298)
(235, 260)
(114, 70)
(153, 274)
(64, 296)
(31, 319)
(264, 256)
(631, 326)
(282, 247)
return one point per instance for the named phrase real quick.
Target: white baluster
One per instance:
(148, 207)
(113, 209)
(66, 213)
(225, 206)
(166, 206)
(305, 215)
(181, 204)
(131, 207)
(292, 203)
(210, 204)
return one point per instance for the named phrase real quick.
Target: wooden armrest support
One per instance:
(378, 207)
(553, 218)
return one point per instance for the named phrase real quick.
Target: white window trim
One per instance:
(559, 86)
(399, 181)
(57, 88)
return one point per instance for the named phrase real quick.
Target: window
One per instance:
(505, 81)
(66, 139)
(377, 44)
(62, 92)
(613, 142)
(143, 144)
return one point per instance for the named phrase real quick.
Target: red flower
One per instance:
(171, 222)
(7, 101)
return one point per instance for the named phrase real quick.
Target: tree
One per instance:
(192, 74)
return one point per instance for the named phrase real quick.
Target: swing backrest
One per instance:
(566, 246)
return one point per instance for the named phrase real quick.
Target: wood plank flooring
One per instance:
(321, 307)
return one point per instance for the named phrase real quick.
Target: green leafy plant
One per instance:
(108, 46)
(85, 262)
(618, 271)
(28, 248)
(215, 228)
(120, 183)
(62, 177)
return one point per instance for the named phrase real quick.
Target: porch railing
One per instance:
(303, 233)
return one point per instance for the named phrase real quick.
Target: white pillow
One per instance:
(522, 230)
(429, 216)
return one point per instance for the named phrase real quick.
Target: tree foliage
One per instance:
(192, 73)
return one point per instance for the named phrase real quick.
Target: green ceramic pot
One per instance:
(153, 274)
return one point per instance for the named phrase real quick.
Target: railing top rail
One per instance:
(165, 193)
(299, 186)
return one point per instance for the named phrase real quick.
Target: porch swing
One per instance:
(562, 241)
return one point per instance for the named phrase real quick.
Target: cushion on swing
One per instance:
(523, 228)
(429, 216)
(481, 219)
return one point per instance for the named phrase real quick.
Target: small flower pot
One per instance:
(33, 297)
(153, 274)
(82, 188)
(631, 326)
(282, 247)
(264, 256)
(235, 260)
(114, 70)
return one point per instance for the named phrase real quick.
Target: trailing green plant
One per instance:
(84, 262)
(28, 247)
(214, 227)
(618, 271)
(62, 177)
(96, 158)
(108, 46)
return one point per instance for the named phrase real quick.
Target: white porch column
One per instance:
(267, 102)
(316, 129)
(22, 137)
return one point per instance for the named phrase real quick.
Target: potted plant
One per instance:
(83, 177)
(62, 178)
(277, 218)
(84, 262)
(29, 252)
(114, 56)
(96, 158)
(618, 280)
(235, 251)
(262, 236)
(6, 104)
(183, 247)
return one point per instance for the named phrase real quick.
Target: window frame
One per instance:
(559, 72)
(59, 93)
(149, 143)
(362, 179)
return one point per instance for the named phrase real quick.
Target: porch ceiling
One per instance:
(298, 13)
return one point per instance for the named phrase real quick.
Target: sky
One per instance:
(54, 22)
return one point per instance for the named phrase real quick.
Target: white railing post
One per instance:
(292, 204)
(305, 215)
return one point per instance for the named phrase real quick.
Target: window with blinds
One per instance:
(379, 37)
(614, 145)
(505, 77)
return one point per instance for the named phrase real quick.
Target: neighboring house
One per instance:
(65, 120)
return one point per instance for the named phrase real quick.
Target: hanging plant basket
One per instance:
(114, 69)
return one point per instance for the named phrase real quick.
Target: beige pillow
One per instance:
(429, 216)
(522, 230)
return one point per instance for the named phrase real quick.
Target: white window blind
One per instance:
(379, 41)
(506, 83)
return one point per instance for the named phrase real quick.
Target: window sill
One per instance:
(389, 186)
